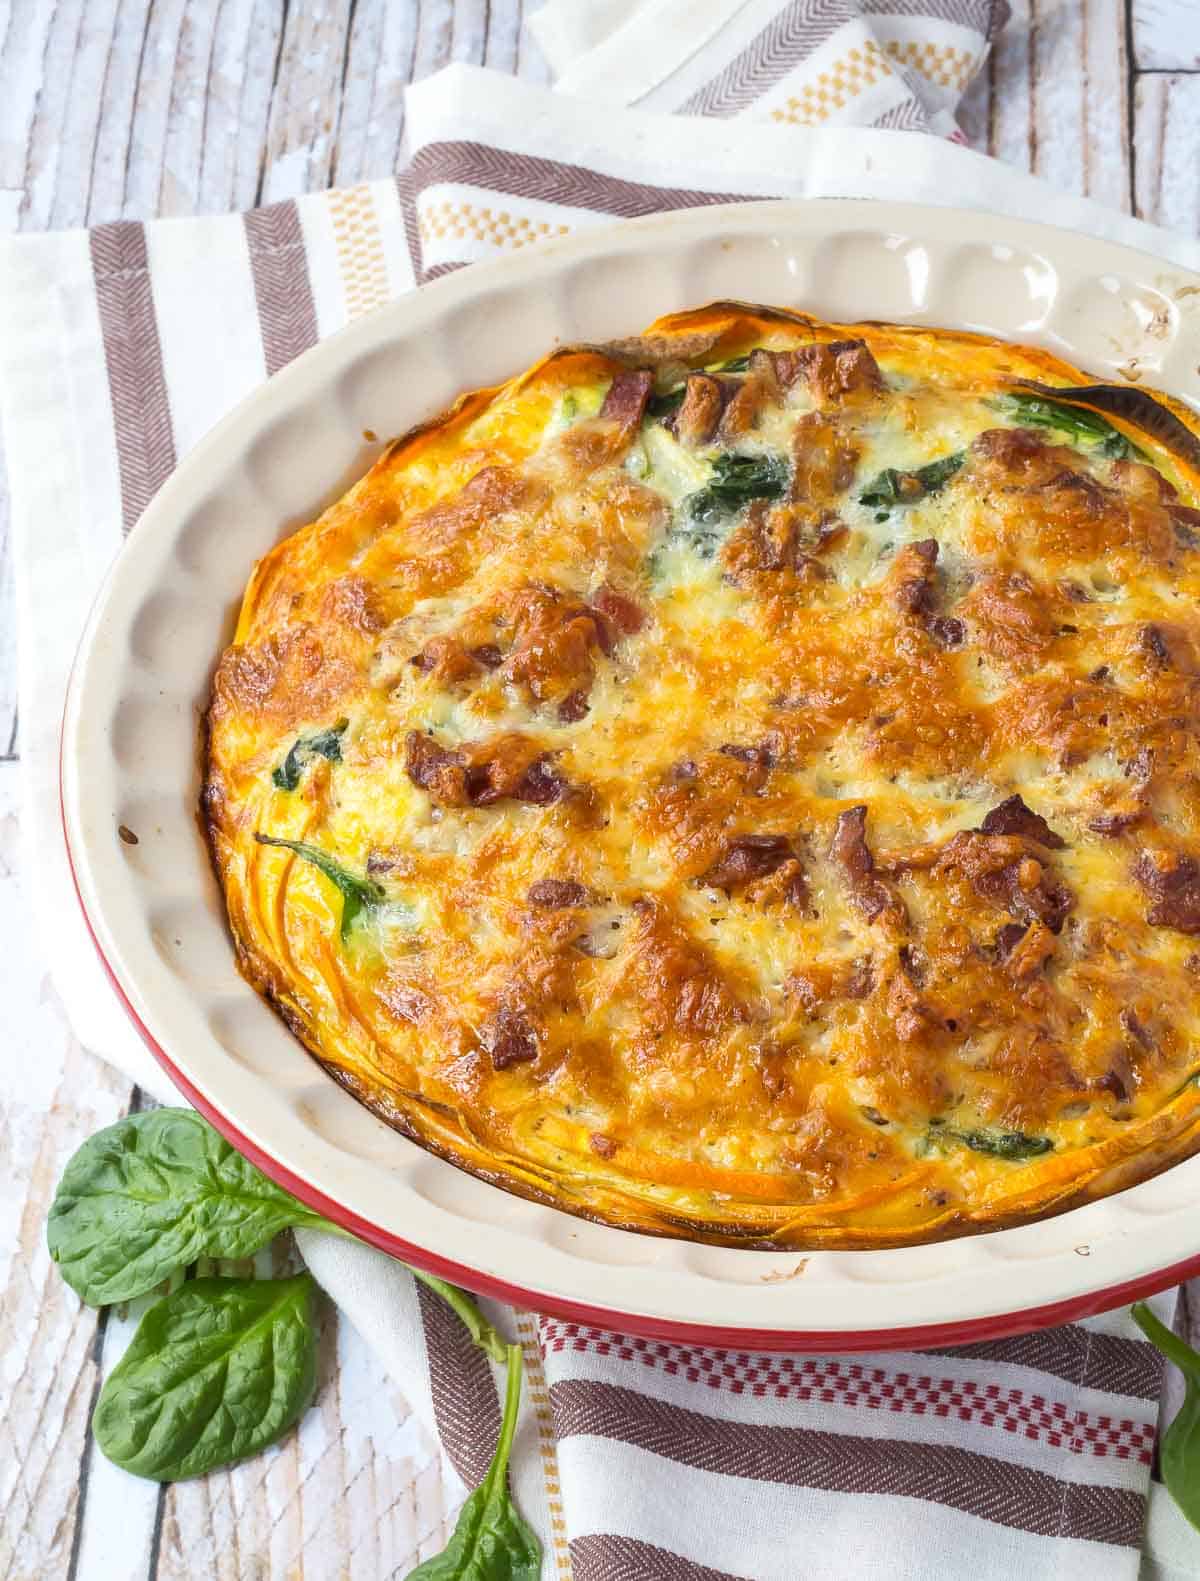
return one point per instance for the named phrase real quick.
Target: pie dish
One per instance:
(163, 939)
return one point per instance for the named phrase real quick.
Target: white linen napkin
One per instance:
(119, 348)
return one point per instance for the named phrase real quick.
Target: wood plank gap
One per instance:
(1130, 107)
(350, 15)
(86, 1457)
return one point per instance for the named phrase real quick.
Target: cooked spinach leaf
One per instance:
(358, 894)
(895, 487)
(735, 481)
(734, 365)
(323, 744)
(660, 406)
(1179, 1448)
(146, 1197)
(1006, 1144)
(492, 1541)
(217, 1370)
(1077, 422)
(1012, 1145)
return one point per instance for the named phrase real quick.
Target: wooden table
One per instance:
(114, 110)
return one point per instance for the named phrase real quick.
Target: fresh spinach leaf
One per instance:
(1179, 1450)
(895, 487)
(735, 481)
(492, 1541)
(480, 1330)
(1077, 422)
(358, 894)
(322, 743)
(149, 1195)
(217, 1370)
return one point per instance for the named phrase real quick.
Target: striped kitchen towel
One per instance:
(119, 348)
(901, 64)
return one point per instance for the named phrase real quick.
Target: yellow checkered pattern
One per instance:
(940, 64)
(359, 249)
(456, 220)
(834, 89)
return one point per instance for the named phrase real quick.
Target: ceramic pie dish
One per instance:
(144, 673)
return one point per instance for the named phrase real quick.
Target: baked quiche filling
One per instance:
(743, 783)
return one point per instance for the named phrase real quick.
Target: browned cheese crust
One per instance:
(743, 783)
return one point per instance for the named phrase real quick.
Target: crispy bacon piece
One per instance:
(823, 459)
(911, 577)
(696, 421)
(1001, 871)
(436, 769)
(625, 613)
(913, 584)
(947, 630)
(1012, 816)
(1030, 951)
(678, 986)
(510, 1039)
(750, 394)
(869, 894)
(445, 661)
(559, 893)
(824, 983)
(746, 857)
(510, 774)
(1172, 881)
(840, 370)
(1153, 644)
(1010, 617)
(555, 635)
(769, 541)
(574, 707)
(1018, 456)
(750, 857)
(626, 400)
(488, 771)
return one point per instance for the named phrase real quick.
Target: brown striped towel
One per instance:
(637, 1459)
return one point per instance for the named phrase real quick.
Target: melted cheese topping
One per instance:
(691, 821)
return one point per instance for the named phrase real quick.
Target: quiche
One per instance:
(742, 782)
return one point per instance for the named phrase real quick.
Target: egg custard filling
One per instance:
(743, 782)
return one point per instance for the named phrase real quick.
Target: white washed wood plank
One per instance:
(237, 104)
(1053, 97)
(1166, 143)
(53, 1095)
(1166, 35)
(8, 637)
(306, 101)
(382, 48)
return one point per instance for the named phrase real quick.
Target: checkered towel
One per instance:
(120, 347)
